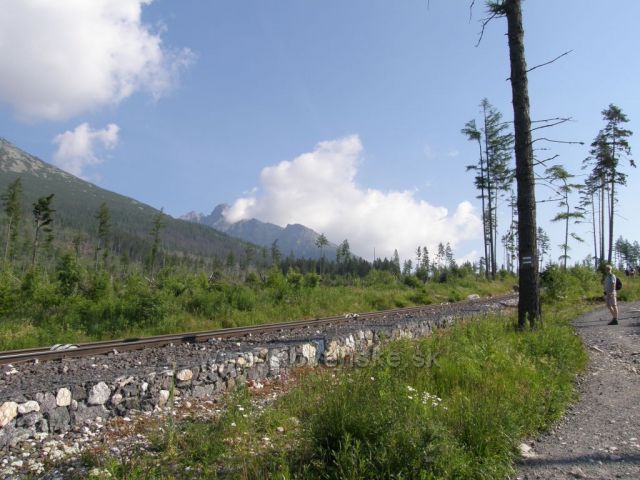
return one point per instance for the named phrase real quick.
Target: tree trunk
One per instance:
(602, 210)
(566, 231)
(35, 246)
(6, 247)
(529, 304)
(595, 226)
(612, 199)
(484, 212)
(489, 196)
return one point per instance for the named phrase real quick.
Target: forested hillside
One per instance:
(77, 202)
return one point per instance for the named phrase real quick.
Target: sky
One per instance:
(344, 116)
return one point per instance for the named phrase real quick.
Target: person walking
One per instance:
(610, 294)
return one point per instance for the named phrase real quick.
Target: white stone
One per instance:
(274, 365)
(144, 386)
(116, 399)
(164, 398)
(526, 451)
(63, 398)
(309, 354)
(28, 407)
(8, 411)
(99, 394)
(124, 381)
(184, 375)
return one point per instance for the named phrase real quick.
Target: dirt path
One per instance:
(599, 438)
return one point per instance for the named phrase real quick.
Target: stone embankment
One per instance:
(40, 401)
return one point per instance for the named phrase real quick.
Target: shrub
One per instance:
(294, 278)
(311, 280)
(242, 299)
(252, 278)
(411, 281)
(380, 278)
(559, 284)
(68, 273)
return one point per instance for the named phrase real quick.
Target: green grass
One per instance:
(34, 311)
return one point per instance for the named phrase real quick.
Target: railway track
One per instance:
(121, 345)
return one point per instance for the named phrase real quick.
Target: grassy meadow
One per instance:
(73, 305)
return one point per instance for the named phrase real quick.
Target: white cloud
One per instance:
(318, 189)
(76, 149)
(64, 57)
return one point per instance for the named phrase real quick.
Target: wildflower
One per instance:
(410, 388)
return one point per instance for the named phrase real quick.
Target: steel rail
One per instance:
(127, 344)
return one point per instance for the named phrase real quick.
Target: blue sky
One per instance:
(188, 104)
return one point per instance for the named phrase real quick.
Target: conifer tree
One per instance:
(558, 174)
(609, 147)
(543, 243)
(158, 225)
(494, 175)
(12, 204)
(43, 217)
(322, 242)
(104, 229)
(275, 253)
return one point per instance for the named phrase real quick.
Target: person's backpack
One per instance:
(618, 283)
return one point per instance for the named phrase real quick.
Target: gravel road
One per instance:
(599, 437)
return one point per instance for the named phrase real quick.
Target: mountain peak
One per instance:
(217, 214)
(294, 238)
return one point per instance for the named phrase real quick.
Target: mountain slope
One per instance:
(76, 203)
(293, 239)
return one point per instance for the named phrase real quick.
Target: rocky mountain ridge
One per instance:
(295, 239)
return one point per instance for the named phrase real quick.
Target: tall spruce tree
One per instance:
(588, 206)
(104, 229)
(12, 205)
(558, 174)
(157, 226)
(609, 147)
(43, 217)
(322, 242)
(543, 243)
(494, 174)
